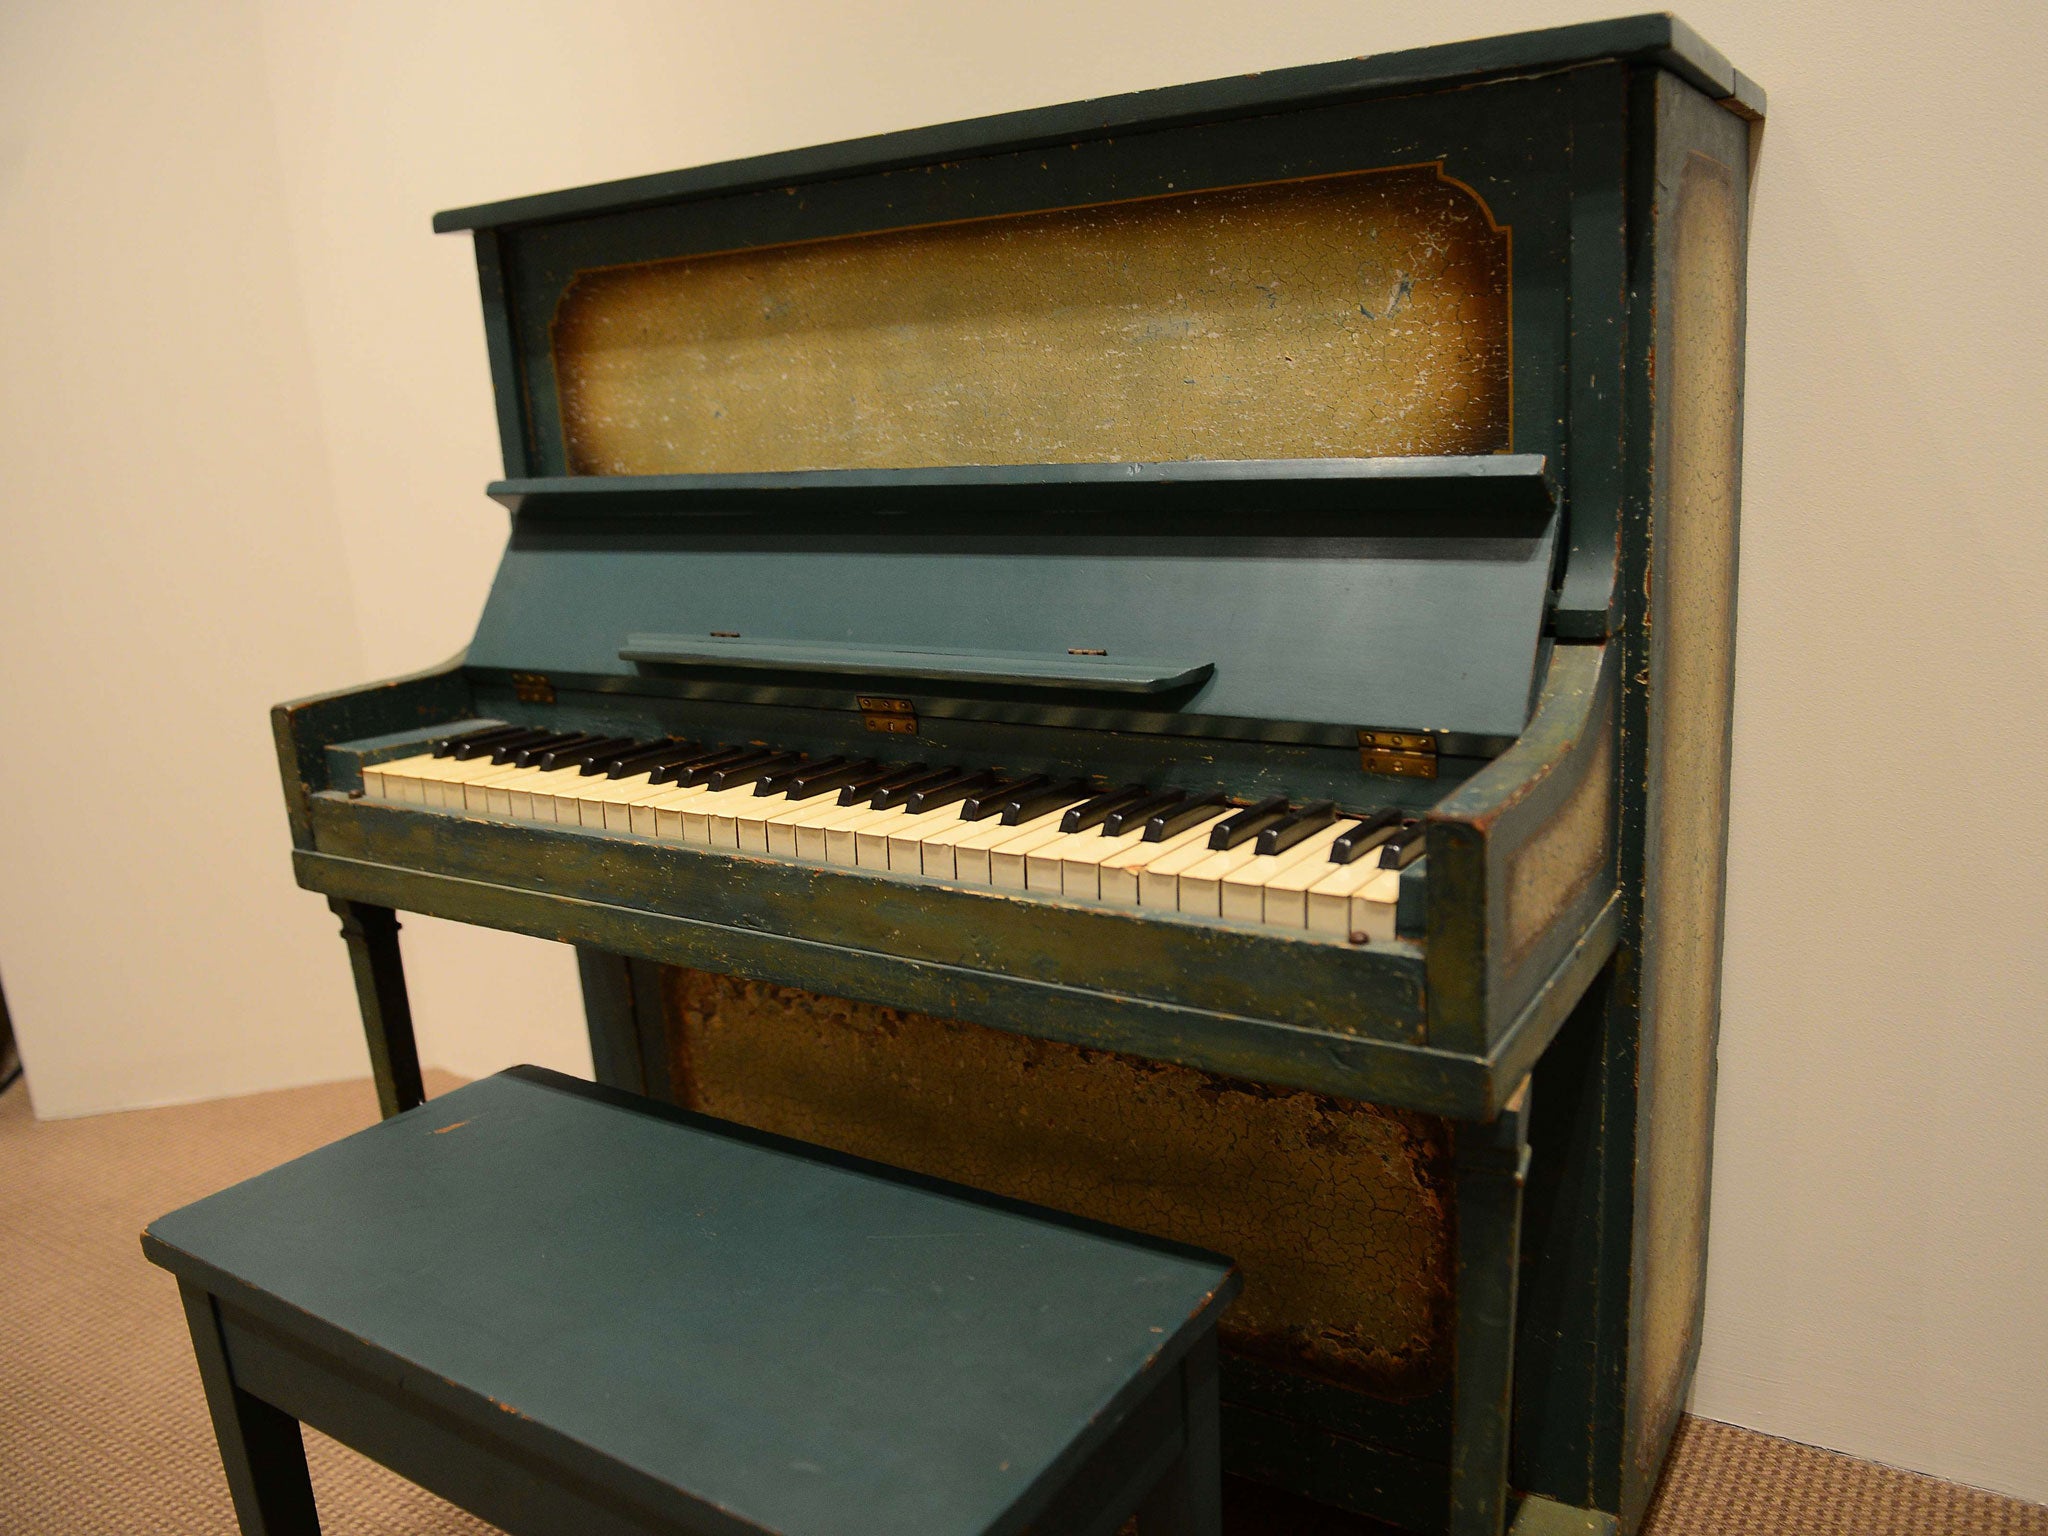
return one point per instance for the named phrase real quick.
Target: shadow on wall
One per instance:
(10, 1053)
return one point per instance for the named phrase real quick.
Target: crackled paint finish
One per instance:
(1337, 1212)
(1375, 303)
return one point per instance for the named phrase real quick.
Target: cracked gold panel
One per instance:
(1335, 1211)
(1359, 314)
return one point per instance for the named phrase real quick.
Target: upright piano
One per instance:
(1168, 656)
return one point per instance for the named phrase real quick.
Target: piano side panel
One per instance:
(1522, 857)
(1337, 1211)
(303, 729)
(1691, 643)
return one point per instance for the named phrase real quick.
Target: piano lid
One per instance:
(1404, 594)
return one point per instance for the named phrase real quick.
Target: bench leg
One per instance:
(372, 937)
(261, 1449)
(1492, 1166)
(1188, 1500)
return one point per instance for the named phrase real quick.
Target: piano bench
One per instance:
(568, 1309)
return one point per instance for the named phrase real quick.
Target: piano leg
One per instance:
(372, 937)
(628, 1020)
(1492, 1165)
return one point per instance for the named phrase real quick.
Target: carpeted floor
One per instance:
(103, 1431)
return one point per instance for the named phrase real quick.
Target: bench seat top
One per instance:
(704, 1315)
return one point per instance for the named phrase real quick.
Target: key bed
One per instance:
(1310, 868)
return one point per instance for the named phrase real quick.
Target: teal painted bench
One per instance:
(571, 1310)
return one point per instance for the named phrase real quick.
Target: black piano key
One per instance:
(1092, 813)
(589, 757)
(505, 751)
(478, 747)
(885, 776)
(447, 747)
(948, 794)
(899, 794)
(681, 772)
(1249, 822)
(748, 770)
(1365, 837)
(990, 800)
(814, 779)
(1405, 846)
(573, 754)
(1128, 817)
(529, 757)
(1296, 825)
(1035, 803)
(739, 757)
(1171, 823)
(605, 760)
(777, 782)
(627, 765)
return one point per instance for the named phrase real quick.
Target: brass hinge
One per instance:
(892, 717)
(1404, 754)
(532, 688)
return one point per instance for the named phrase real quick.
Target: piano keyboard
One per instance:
(1276, 864)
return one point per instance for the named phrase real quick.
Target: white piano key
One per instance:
(643, 815)
(526, 804)
(781, 828)
(937, 857)
(606, 802)
(565, 795)
(1006, 860)
(698, 814)
(1201, 885)
(724, 818)
(871, 839)
(396, 778)
(492, 795)
(1355, 898)
(618, 805)
(668, 809)
(972, 862)
(1244, 891)
(1081, 863)
(1121, 872)
(906, 843)
(842, 839)
(1285, 902)
(439, 781)
(511, 795)
(751, 824)
(1159, 881)
(812, 835)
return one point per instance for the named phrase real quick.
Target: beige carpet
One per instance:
(103, 1431)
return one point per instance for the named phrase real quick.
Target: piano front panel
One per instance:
(1337, 1211)
(1376, 303)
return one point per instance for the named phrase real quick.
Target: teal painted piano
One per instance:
(1169, 657)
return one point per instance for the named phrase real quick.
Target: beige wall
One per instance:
(245, 423)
